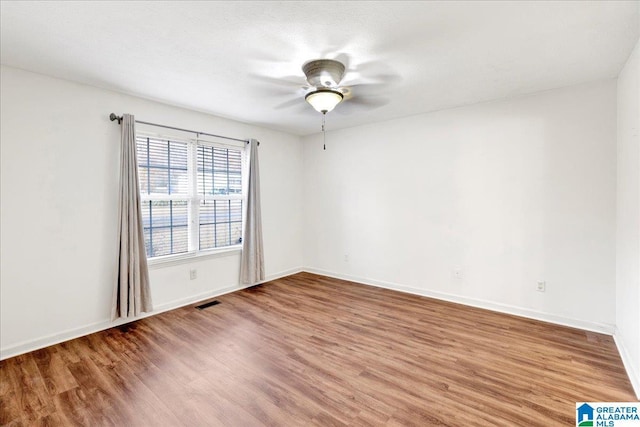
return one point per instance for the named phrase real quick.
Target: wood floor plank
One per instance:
(308, 350)
(54, 371)
(30, 395)
(72, 407)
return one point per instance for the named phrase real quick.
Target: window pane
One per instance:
(158, 152)
(160, 214)
(162, 166)
(179, 181)
(158, 181)
(235, 222)
(165, 227)
(235, 170)
(222, 211)
(207, 212)
(146, 215)
(220, 223)
(220, 182)
(236, 233)
(219, 170)
(207, 236)
(235, 184)
(143, 178)
(161, 238)
(222, 234)
(235, 210)
(178, 154)
(147, 242)
(205, 170)
(180, 239)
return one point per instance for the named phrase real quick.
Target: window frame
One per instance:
(194, 198)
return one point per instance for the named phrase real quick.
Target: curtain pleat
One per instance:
(252, 259)
(131, 293)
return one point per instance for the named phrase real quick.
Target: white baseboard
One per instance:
(69, 334)
(282, 274)
(631, 366)
(489, 305)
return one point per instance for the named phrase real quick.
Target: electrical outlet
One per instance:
(193, 274)
(457, 273)
(542, 286)
(346, 258)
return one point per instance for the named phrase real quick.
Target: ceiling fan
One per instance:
(329, 82)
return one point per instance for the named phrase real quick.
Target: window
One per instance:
(191, 194)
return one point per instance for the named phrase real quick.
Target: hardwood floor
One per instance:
(310, 350)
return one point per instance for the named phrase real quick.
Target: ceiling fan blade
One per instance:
(360, 104)
(347, 108)
(372, 72)
(275, 91)
(290, 103)
(304, 108)
(343, 58)
(375, 67)
(287, 81)
(364, 89)
(374, 102)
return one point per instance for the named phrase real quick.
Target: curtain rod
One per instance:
(113, 117)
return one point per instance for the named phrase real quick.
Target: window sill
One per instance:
(170, 260)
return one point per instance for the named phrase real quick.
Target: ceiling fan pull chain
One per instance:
(324, 139)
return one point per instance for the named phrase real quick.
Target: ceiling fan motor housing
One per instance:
(323, 72)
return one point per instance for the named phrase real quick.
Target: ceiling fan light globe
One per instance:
(324, 100)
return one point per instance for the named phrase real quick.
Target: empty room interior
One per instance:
(301, 213)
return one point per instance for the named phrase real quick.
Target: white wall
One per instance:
(511, 192)
(59, 172)
(628, 218)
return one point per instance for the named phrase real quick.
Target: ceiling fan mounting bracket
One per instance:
(323, 72)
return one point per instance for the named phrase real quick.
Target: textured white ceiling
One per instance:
(242, 60)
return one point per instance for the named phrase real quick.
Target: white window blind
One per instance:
(220, 191)
(191, 195)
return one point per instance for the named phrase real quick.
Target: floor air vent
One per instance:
(207, 305)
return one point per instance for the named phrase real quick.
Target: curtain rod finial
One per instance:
(113, 117)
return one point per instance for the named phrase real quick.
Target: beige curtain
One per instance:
(252, 259)
(131, 294)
